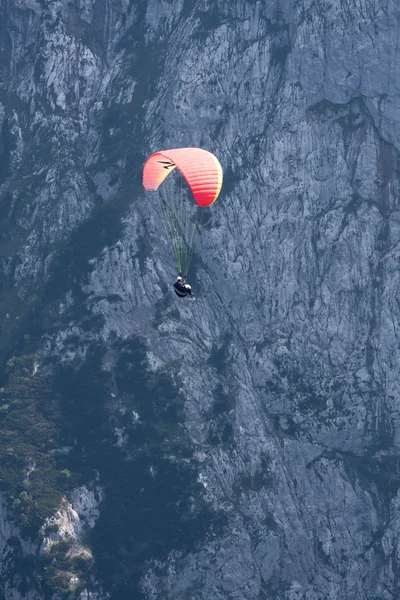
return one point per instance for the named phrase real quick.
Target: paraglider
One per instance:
(202, 176)
(181, 288)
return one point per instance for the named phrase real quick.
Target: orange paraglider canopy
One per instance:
(200, 168)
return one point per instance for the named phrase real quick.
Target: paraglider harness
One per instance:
(181, 289)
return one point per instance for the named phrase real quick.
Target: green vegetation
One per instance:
(30, 418)
(62, 571)
(152, 482)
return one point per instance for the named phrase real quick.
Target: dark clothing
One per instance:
(181, 290)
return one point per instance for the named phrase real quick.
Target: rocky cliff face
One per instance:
(260, 420)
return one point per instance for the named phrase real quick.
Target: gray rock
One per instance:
(300, 101)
